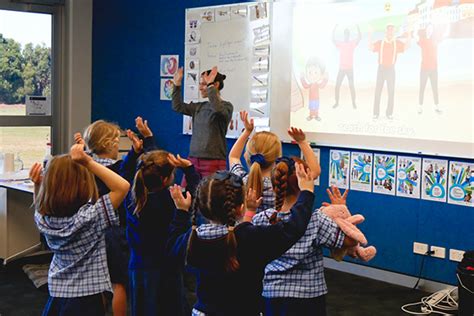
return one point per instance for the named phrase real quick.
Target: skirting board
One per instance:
(385, 276)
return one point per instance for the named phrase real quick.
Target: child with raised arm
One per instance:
(239, 252)
(262, 150)
(73, 219)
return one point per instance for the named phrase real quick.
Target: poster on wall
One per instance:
(339, 168)
(166, 89)
(317, 154)
(361, 171)
(384, 174)
(408, 176)
(169, 65)
(434, 182)
(461, 183)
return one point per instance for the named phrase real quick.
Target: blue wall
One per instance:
(128, 39)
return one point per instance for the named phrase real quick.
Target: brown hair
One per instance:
(66, 186)
(284, 181)
(268, 145)
(153, 168)
(100, 136)
(218, 200)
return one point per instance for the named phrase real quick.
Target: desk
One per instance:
(18, 233)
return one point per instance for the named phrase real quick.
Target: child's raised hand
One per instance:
(249, 125)
(180, 201)
(178, 77)
(251, 201)
(78, 139)
(297, 134)
(36, 173)
(142, 126)
(79, 155)
(178, 162)
(335, 196)
(305, 180)
(137, 143)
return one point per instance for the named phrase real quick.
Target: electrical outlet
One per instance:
(439, 252)
(419, 248)
(456, 255)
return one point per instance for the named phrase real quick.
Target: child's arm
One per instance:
(117, 185)
(179, 231)
(251, 204)
(236, 151)
(300, 138)
(177, 102)
(149, 143)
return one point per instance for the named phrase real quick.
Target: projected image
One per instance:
(393, 69)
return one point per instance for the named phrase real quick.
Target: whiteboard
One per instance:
(224, 36)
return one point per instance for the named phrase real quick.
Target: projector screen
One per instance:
(394, 75)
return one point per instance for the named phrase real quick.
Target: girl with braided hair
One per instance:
(229, 259)
(261, 152)
(156, 286)
(294, 283)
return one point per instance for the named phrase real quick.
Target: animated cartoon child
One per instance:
(314, 78)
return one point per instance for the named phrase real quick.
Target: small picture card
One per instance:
(434, 182)
(461, 183)
(187, 125)
(339, 168)
(166, 90)
(38, 105)
(258, 11)
(207, 16)
(192, 51)
(238, 12)
(192, 78)
(223, 14)
(169, 65)
(191, 93)
(192, 64)
(361, 171)
(408, 177)
(193, 36)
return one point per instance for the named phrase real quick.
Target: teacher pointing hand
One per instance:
(211, 118)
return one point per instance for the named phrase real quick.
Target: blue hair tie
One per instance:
(288, 161)
(258, 158)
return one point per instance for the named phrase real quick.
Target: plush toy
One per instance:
(347, 223)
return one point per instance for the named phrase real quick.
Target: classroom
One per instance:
(229, 157)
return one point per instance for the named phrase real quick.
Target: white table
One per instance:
(18, 233)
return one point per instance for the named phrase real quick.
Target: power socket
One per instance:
(456, 255)
(439, 252)
(419, 248)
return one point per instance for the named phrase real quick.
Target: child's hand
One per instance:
(180, 201)
(305, 181)
(36, 173)
(137, 143)
(142, 127)
(249, 125)
(79, 155)
(179, 162)
(335, 196)
(178, 77)
(78, 139)
(209, 78)
(251, 200)
(297, 134)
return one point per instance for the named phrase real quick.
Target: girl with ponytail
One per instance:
(261, 152)
(229, 258)
(294, 283)
(156, 286)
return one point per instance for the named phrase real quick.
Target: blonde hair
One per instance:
(100, 136)
(153, 168)
(268, 145)
(66, 186)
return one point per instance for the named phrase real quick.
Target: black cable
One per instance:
(428, 253)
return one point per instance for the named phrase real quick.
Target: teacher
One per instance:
(211, 118)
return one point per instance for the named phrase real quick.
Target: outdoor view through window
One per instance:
(25, 70)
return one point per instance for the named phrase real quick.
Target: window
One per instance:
(26, 69)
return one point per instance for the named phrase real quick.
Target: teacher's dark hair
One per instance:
(219, 78)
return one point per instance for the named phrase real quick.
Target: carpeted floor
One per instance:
(349, 295)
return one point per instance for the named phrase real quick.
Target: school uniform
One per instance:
(294, 283)
(156, 285)
(238, 293)
(78, 274)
